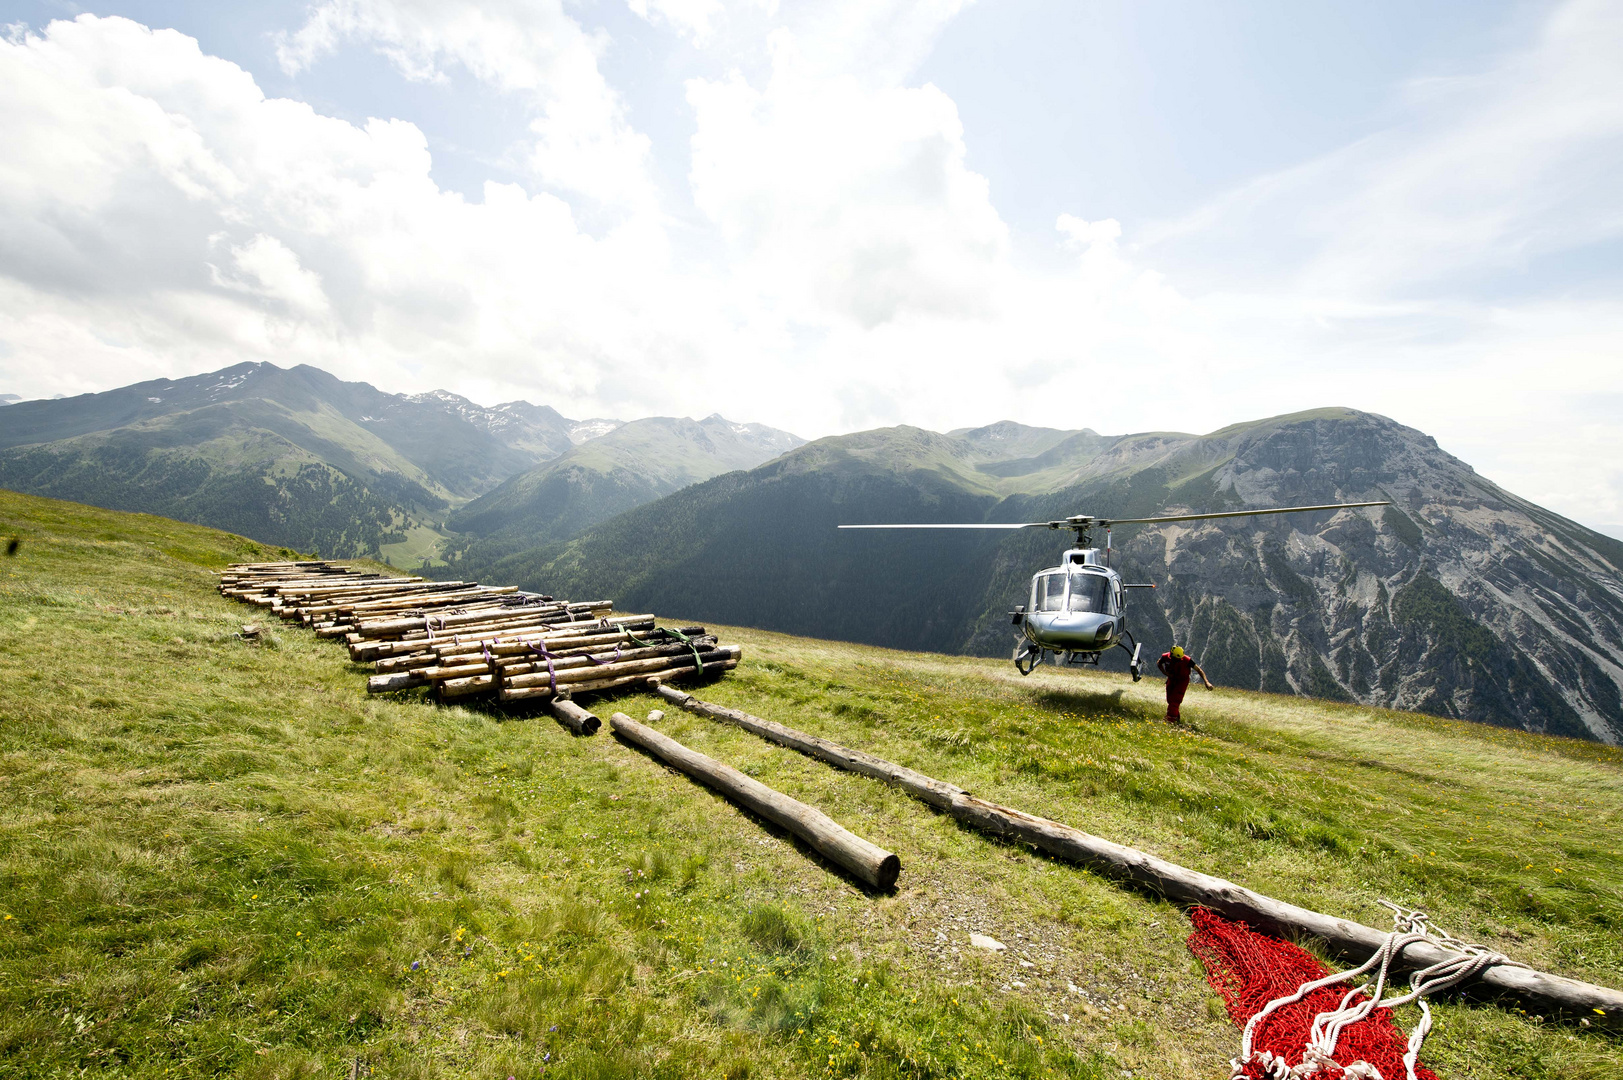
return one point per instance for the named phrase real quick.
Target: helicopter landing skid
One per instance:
(1135, 665)
(1026, 657)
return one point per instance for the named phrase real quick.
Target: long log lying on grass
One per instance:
(868, 863)
(1541, 992)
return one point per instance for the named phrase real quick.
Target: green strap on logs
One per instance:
(679, 636)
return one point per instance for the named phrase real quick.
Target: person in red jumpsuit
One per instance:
(1176, 666)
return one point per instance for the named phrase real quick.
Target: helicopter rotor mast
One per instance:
(1084, 524)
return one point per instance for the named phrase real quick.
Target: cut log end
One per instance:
(889, 869)
(573, 717)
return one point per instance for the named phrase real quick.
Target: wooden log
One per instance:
(527, 669)
(1540, 992)
(508, 642)
(574, 717)
(512, 643)
(294, 589)
(868, 863)
(277, 587)
(416, 640)
(366, 599)
(417, 600)
(362, 651)
(672, 675)
(376, 605)
(463, 678)
(394, 627)
(381, 622)
(348, 586)
(577, 679)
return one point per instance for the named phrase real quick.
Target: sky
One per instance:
(844, 214)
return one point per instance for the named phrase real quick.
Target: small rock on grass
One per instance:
(981, 941)
(656, 716)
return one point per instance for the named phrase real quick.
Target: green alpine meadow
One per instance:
(219, 857)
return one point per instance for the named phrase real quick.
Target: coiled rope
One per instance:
(1409, 928)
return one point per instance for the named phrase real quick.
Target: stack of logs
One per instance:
(462, 638)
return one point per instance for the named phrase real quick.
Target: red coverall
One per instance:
(1176, 669)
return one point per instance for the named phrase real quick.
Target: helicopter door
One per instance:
(1048, 593)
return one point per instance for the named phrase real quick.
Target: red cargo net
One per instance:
(1250, 969)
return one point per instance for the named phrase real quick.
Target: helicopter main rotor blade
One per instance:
(983, 525)
(1106, 522)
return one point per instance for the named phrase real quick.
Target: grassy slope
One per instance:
(219, 858)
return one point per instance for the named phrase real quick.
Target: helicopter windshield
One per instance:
(1088, 592)
(1048, 594)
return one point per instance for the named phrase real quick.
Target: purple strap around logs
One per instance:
(594, 660)
(552, 676)
(495, 671)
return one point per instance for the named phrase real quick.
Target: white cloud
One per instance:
(1481, 174)
(267, 268)
(833, 261)
(841, 200)
(582, 141)
(1081, 235)
(694, 18)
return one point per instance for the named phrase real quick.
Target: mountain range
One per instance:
(631, 465)
(1460, 599)
(297, 457)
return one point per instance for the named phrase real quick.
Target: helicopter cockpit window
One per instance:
(1088, 592)
(1049, 594)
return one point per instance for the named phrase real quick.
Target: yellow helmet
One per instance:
(1177, 652)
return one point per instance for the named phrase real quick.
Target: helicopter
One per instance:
(1078, 609)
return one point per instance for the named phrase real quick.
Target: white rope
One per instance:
(1409, 928)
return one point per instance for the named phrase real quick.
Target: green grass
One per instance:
(421, 542)
(221, 858)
